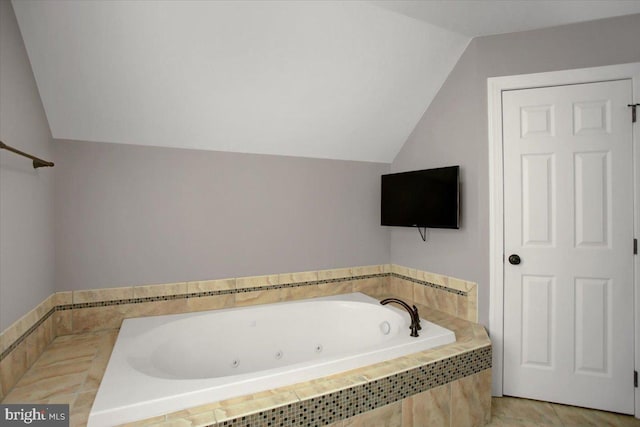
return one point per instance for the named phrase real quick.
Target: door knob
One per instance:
(514, 259)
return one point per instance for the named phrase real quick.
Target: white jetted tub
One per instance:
(163, 364)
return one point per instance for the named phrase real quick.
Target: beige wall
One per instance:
(26, 209)
(132, 215)
(453, 130)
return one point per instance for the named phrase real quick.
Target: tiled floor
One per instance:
(512, 412)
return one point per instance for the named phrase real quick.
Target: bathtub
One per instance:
(163, 364)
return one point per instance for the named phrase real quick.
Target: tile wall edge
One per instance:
(26, 334)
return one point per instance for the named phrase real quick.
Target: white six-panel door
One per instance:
(568, 215)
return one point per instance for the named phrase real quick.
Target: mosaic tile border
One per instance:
(107, 303)
(212, 293)
(343, 404)
(428, 284)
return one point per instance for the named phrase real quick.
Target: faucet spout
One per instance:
(413, 312)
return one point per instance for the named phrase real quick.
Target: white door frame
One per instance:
(495, 86)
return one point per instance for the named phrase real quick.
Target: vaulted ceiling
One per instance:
(327, 79)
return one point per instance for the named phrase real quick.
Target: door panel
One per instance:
(593, 320)
(569, 216)
(537, 322)
(593, 198)
(537, 200)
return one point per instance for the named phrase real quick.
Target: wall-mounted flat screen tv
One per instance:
(425, 198)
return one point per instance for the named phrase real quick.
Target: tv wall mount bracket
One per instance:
(423, 233)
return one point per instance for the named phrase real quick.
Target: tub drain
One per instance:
(235, 363)
(278, 354)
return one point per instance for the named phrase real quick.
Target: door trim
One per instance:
(495, 87)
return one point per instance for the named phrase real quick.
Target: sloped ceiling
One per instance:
(475, 18)
(326, 79)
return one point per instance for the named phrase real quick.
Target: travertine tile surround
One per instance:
(447, 386)
(103, 309)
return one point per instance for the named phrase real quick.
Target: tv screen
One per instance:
(424, 198)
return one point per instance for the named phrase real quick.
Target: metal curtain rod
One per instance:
(37, 163)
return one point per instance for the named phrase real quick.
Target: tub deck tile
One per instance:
(46, 389)
(387, 368)
(197, 420)
(60, 373)
(252, 404)
(81, 406)
(39, 374)
(208, 408)
(64, 399)
(147, 422)
(322, 386)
